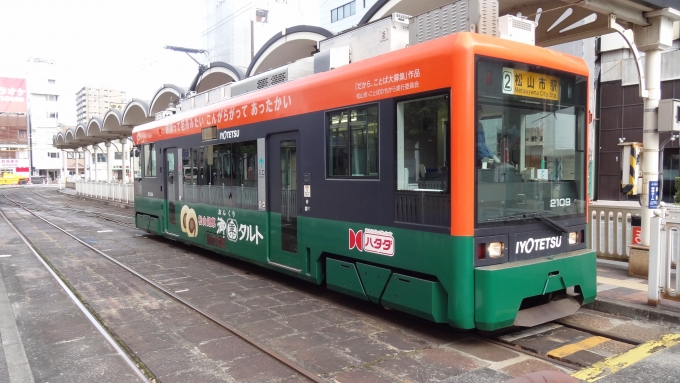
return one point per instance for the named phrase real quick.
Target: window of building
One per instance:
(52, 97)
(52, 114)
(101, 157)
(149, 160)
(353, 143)
(51, 82)
(261, 15)
(21, 133)
(117, 156)
(344, 11)
(53, 154)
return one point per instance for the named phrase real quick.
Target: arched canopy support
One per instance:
(164, 96)
(288, 46)
(218, 74)
(136, 113)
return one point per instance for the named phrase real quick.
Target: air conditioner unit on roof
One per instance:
(517, 29)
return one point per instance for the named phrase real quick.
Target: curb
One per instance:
(634, 311)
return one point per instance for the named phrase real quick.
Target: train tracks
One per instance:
(528, 341)
(99, 215)
(226, 326)
(577, 335)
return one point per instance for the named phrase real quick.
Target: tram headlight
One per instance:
(495, 249)
(573, 238)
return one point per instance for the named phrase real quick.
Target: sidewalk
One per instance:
(619, 294)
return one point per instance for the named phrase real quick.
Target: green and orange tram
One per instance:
(446, 180)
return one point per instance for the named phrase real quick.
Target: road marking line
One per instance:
(618, 362)
(104, 231)
(569, 349)
(620, 283)
(5, 255)
(181, 291)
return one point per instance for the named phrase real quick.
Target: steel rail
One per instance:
(126, 358)
(283, 360)
(96, 214)
(605, 334)
(82, 200)
(570, 366)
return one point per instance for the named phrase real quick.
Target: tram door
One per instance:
(284, 198)
(171, 188)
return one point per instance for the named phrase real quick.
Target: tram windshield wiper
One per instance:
(547, 220)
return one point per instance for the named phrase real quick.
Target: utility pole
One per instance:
(652, 39)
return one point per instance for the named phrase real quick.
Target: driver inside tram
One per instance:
(484, 154)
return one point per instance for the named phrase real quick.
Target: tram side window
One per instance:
(233, 164)
(236, 164)
(422, 150)
(353, 143)
(149, 160)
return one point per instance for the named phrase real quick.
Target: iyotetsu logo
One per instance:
(532, 244)
(372, 241)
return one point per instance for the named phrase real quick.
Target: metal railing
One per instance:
(112, 191)
(664, 250)
(230, 196)
(288, 203)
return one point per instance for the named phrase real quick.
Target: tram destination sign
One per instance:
(530, 84)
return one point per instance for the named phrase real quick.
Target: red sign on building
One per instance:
(13, 95)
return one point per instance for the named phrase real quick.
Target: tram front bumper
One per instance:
(500, 289)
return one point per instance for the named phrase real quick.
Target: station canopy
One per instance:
(557, 22)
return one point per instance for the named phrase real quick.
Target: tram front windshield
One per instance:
(529, 143)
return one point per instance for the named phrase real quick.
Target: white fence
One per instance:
(664, 250)
(119, 192)
(611, 229)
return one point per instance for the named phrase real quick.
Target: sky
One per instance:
(112, 44)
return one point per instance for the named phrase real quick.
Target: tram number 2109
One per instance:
(555, 202)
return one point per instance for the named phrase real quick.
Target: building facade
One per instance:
(236, 30)
(620, 114)
(44, 94)
(339, 15)
(14, 149)
(91, 102)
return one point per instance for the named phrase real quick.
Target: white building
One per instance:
(236, 30)
(339, 15)
(43, 108)
(91, 102)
